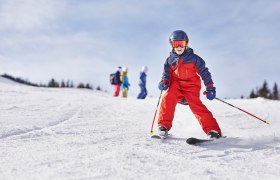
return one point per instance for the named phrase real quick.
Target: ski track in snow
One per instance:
(81, 134)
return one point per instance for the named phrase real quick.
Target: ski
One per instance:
(194, 141)
(155, 136)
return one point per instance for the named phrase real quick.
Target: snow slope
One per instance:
(81, 134)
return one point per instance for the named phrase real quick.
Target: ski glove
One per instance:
(163, 85)
(210, 93)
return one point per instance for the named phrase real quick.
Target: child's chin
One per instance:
(179, 52)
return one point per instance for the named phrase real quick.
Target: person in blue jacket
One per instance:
(125, 83)
(182, 75)
(143, 90)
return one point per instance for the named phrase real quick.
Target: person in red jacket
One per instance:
(181, 78)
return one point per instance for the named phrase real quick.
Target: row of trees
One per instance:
(52, 83)
(265, 92)
(70, 84)
(19, 80)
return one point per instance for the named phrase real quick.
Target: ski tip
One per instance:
(156, 136)
(194, 141)
(191, 140)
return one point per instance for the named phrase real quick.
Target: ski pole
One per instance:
(243, 110)
(152, 132)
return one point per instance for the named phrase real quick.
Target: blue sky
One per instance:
(85, 40)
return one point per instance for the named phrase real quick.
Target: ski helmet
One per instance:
(119, 68)
(178, 35)
(145, 68)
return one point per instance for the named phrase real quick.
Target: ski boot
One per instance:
(214, 134)
(162, 131)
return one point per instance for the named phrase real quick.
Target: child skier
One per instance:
(181, 80)
(125, 83)
(143, 76)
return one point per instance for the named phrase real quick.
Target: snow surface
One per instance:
(81, 134)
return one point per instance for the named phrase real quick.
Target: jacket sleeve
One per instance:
(203, 71)
(166, 71)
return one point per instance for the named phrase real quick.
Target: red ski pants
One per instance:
(117, 88)
(169, 102)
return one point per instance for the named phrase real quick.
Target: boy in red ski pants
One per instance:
(181, 79)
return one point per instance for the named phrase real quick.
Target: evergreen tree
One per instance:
(88, 86)
(81, 85)
(264, 91)
(53, 83)
(98, 88)
(62, 85)
(253, 95)
(275, 92)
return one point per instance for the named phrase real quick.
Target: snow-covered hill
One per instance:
(81, 134)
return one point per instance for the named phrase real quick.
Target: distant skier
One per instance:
(143, 76)
(125, 83)
(117, 81)
(181, 79)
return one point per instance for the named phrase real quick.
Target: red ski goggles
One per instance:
(176, 44)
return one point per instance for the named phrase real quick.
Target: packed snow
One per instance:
(49, 133)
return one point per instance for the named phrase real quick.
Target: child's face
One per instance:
(179, 50)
